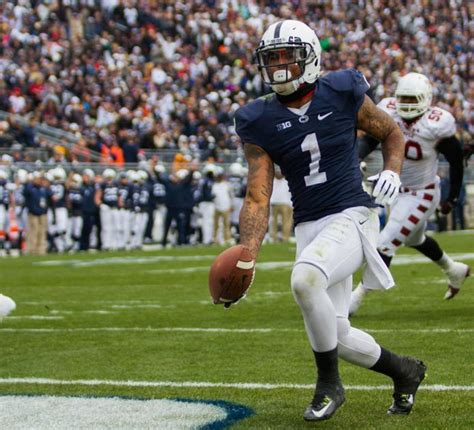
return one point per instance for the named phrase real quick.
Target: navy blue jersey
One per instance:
(158, 192)
(110, 193)
(4, 194)
(59, 194)
(316, 151)
(205, 190)
(76, 198)
(18, 195)
(125, 195)
(88, 201)
(144, 198)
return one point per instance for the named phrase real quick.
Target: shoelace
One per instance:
(320, 400)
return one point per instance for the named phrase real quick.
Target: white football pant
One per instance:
(408, 219)
(109, 221)
(159, 216)
(75, 231)
(58, 227)
(329, 251)
(207, 210)
(139, 221)
(124, 228)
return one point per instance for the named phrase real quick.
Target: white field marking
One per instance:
(433, 281)
(48, 412)
(180, 270)
(97, 302)
(401, 260)
(195, 384)
(123, 260)
(99, 312)
(35, 317)
(141, 306)
(435, 330)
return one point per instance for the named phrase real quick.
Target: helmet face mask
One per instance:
(289, 56)
(279, 62)
(413, 95)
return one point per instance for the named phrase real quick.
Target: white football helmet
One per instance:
(300, 45)
(76, 179)
(109, 174)
(59, 174)
(235, 169)
(417, 86)
(160, 168)
(89, 172)
(22, 176)
(3, 174)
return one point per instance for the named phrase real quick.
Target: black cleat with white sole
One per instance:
(406, 387)
(325, 403)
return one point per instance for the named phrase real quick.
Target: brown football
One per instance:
(231, 274)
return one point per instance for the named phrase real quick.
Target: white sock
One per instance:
(445, 262)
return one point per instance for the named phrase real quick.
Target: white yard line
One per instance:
(193, 384)
(435, 330)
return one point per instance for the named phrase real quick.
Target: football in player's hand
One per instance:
(231, 275)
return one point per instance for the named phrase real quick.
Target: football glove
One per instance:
(446, 206)
(387, 187)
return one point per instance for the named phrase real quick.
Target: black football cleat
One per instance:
(325, 402)
(406, 387)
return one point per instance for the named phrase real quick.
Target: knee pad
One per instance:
(306, 278)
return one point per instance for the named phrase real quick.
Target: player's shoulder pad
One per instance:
(441, 122)
(253, 110)
(347, 80)
(247, 117)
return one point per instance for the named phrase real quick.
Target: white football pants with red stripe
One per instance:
(408, 219)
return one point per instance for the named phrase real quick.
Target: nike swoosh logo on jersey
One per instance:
(322, 411)
(321, 117)
(363, 222)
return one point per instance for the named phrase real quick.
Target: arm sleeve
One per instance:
(451, 148)
(366, 145)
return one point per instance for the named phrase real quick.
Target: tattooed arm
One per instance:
(380, 125)
(255, 210)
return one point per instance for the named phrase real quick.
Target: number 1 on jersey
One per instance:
(310, 143)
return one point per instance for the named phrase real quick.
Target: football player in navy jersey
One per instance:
(308, 128)
(107, 197)
(74, 201)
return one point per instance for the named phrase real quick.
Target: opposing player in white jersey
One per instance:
(428, 132)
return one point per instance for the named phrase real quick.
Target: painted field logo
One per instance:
(46, 412)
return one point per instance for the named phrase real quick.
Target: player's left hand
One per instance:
(387, 187)
(446, 207)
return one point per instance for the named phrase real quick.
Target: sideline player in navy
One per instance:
(308, 128)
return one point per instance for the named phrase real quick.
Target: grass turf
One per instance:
(113, 290)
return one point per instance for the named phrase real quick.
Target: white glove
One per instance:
(387, 187)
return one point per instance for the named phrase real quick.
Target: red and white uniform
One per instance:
(420, 192)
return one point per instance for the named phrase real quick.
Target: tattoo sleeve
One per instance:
(253, 219)
(382, 127)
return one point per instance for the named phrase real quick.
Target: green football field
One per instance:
(141, 326)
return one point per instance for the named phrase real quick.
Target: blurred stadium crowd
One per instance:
(129, 75)
(132, 79)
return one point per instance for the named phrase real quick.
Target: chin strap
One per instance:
(300, 92)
